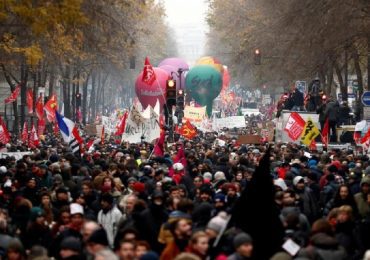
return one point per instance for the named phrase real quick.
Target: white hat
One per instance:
(76, 209)
(280, 183)
(3, 169)
(178, 166)
(297, 179)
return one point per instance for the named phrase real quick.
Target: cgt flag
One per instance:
(310, 132)
(30, 100)
(294, 126)
(34, 141)
(148, 73)
(325, 133)
(13, 96)
(4, 134)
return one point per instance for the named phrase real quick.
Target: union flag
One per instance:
(188, 130)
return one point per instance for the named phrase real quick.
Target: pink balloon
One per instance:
(148, 94)
(170, 69)
(175, 62)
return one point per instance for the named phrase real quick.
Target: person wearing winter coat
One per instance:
(332, 113)
(109, 216)
(243, 247)
(323, 244)
(342, 197)
(361, 197)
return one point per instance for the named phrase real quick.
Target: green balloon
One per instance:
(204, 83)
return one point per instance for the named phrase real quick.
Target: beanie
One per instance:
(220, 197)
(139, 187)
(241, 239)
(297, 179)
(218, 222)
(151, 255)
(35, 213)
(99, 236)
(71, 243)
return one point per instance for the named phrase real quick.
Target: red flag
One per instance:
(122, 124)
(148, 73)
(4, 134)
(34, 139)
(294, 126)
(180, 156)
(40, 108)
(159, 147)
(13, 96)
(89, 144)
(30, 100)
(325, 133)
(366, 136)
(102, 136)
(188, 130)
(56, 129)
(50, 108)
(24, 136)
(313, 146)
(41, 127)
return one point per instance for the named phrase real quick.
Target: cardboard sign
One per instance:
(249, 139)
(229, 122)
(90, 129)
(194, 114)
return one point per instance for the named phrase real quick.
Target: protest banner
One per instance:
(228, 122)
(195, 115)
(16, 155)
(141, 129)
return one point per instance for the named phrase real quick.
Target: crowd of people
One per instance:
(198, 201)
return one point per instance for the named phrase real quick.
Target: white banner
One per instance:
(139, 129)
(109, 124)
(17, 155)
(228, 122)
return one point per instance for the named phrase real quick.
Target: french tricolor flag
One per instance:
(69, 132)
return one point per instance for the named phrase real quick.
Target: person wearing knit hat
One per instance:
(243, 246)
(216, 225)
(70, 248)
(97, 241)
(36, 212)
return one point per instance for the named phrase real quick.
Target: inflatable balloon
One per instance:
(148, 94)
(177, 63)
(173, 65)
(204, 83)
(208, 60)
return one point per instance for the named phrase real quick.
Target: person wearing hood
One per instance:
(361, 197)
(152, 219)
(109, 216)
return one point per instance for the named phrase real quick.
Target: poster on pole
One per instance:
(195, 115)
(144, 130)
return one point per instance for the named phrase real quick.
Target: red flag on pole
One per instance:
(294, 126)
(24, 136)
(30, 100)
(325, 133)
(50, 108)
(148, 73)
(13, 96)
(40, 108)
(41, 126)
(34, 139)
(4, 134)
(122, 124)
(366, 136)
(188, 130)
(159, 147)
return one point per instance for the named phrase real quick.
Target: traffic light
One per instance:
(180, 100)
(78, 99)
(171, 92)
(257, 57)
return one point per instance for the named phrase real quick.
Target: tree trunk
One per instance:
(51, 82)
(24, 79)
(92, 103)
(84, 99)
(343, 89)
(356, 61)
(15, 103)
(368, 62)
(66, 85)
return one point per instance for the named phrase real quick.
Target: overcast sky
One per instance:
(187, 18)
